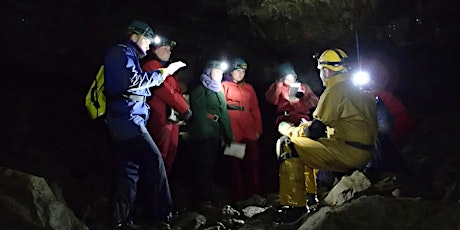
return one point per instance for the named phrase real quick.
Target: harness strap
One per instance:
(235, 107)
(286, 155)
(359, 145)
(213, 117)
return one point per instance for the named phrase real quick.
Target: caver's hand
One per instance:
(186, 115)
(283, 127)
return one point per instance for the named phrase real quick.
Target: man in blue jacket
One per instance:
(126, 88)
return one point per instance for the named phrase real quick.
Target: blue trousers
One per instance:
(140, 160)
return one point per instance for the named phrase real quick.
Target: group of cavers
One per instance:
(146, 107)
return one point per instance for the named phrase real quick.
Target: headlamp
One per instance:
(214, 64)
(290, 75)
(240, 66)
(162, 41)
(361, 78)
(156, 40)
(223, 66)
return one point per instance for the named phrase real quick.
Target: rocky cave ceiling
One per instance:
(276, 24)
(291, 23)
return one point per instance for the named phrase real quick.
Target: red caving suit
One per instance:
(243, 176)
(290, 110)
(168, 95)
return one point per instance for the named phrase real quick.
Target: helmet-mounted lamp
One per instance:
(361, 78)
(223, 66)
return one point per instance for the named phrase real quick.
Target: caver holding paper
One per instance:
(209, 127)
(242, 170)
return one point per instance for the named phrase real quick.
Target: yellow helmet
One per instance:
(333, 59)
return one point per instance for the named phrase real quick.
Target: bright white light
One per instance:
(361, 78)
(223, 66)
(156, 40)
(290, 75)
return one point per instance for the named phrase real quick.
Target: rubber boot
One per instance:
(292, 183)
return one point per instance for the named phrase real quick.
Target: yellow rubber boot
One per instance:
(292, 183)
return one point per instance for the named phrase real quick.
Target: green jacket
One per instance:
(206, 103)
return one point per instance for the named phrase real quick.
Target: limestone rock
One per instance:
(27, 202)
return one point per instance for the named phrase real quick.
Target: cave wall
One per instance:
(53, 49)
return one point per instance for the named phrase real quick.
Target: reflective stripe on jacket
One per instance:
(123, 75)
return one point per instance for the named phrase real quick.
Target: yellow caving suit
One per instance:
(350, 116)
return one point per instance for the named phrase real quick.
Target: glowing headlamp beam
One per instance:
(361, 78)
(156, 40)
(290, 75)
(223, 66)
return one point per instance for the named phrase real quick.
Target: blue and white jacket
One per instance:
(123, 75)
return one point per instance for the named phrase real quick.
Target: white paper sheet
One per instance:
(235, 150)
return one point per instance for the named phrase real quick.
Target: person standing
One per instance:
(404, 121)
(242, 175)
(291, 109)
(167, 104)
(347, 114)
(126, 88)
(209, 131)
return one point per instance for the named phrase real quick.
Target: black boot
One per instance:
(121, 214)
(163, 225)
(290, 215)
(312, 202)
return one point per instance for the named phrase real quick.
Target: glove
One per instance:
(186, 115)
(172, 68)
(315, 130)
(283, 127)
(300, 94)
